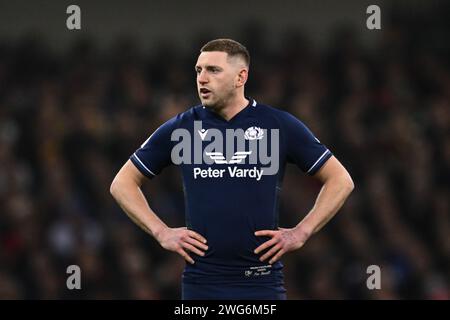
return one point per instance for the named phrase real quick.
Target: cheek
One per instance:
(228, 82)
(223, 83)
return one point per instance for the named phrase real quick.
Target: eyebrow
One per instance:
(209, 67)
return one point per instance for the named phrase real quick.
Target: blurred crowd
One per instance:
(69, 121)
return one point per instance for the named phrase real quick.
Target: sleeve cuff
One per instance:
(320, 162)
(141, 166)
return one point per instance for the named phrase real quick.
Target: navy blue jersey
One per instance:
(231, 192)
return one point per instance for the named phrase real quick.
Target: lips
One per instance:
(204, 90)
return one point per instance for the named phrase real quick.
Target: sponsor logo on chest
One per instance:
(225, 152)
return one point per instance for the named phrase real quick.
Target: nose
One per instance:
(202, 77)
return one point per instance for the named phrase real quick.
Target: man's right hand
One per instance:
(181, 239)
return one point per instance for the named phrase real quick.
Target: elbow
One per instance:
(114, 187)
(348, 183)
(344, 182)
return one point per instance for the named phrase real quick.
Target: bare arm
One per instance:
(126, 190)
(337, 186)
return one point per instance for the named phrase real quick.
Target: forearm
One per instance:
(130, 198)
(332, 196)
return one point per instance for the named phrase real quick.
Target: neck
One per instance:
(233, 107)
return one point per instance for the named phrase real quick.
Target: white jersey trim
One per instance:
(142, 164)
(320, 158)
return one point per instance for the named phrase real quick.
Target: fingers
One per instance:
(277, 256)
(193, 242)
(197, 236)
(274, 243)
(266, 245)
(196, 243)
(271, 252)
(192, 249)
(185, 255)
(269, 233)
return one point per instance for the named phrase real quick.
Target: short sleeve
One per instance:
(154, 154)
(303, 148)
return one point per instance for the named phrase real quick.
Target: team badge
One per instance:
(254, 133)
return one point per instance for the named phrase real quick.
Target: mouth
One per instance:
(204, 92)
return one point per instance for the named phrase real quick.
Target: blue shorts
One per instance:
(231, 292)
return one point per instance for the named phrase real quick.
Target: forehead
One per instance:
(217, 58)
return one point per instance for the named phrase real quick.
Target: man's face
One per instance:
(217, 78)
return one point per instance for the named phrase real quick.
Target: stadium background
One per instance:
(75, 104)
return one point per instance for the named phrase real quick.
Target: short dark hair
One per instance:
(232, 47)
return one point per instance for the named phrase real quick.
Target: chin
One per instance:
(208, 103)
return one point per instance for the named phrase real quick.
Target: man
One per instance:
(232, 153)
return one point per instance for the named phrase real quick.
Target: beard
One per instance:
(215, 102)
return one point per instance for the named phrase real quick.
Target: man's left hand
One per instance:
(282, 241)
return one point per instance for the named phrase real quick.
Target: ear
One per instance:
(242, 77)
